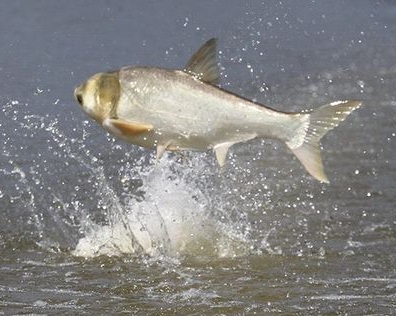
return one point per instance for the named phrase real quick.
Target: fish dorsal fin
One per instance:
(203, 64)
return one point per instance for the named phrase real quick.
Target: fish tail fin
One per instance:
(306, 145)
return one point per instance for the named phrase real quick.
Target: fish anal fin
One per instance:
(127, 128)
(221, 151)
(203, 65)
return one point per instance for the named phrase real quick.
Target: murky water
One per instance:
(92, 225)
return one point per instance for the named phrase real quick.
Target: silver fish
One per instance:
(185, 110)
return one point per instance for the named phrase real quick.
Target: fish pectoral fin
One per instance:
(127, 128)
(161, 149)
(221, 152)
(203, 65)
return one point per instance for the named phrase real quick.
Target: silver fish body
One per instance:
(185, 110)
(190, 114)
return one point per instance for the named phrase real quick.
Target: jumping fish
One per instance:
(186, 110)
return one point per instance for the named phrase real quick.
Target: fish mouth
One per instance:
(78, 95)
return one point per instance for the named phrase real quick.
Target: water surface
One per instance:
(90, 224)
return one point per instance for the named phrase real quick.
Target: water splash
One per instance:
(174, 218)
(74, 192)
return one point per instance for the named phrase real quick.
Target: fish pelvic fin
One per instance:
(161, 148)
(306, 146)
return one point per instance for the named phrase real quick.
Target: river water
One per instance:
(90, 224)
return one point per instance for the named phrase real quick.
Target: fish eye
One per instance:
(79, 98)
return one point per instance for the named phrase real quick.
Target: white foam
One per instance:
(173, 219)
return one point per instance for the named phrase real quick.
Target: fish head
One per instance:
(99, 95)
